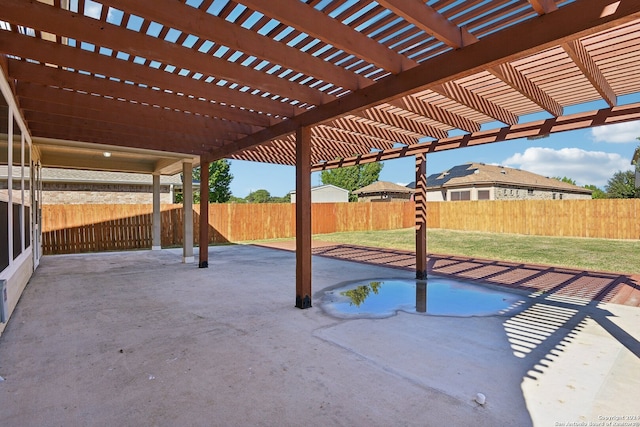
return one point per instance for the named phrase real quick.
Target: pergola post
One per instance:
(156, 244)
(187, 207)
(303, 217)
(420, 197)
(204, 214)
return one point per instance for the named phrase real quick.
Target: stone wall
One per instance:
(526, 194)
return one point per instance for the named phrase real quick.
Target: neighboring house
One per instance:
(478, 181)
(325, 194)
(71, 186)
(383, 191)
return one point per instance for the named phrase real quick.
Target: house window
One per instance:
(483, 195)
(460, 195)
(17, 230)
(560, 196)
(530, 192)
(15, 199)
(553, 196)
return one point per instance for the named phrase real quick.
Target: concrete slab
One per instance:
(139, 338)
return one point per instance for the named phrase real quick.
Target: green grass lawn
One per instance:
(620, 256)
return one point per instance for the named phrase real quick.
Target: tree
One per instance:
(622, 186)
(259, 196)
(234, 199)
(219, 181)
(565, 179)
(284, 199)
(596, 193)
(352, 177)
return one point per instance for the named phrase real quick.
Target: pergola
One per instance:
(313, 83)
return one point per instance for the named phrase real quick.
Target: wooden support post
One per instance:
(156, 244)
(204, 213)
(303, 217)
(187, 208)
(420, 197)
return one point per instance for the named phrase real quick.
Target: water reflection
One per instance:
(359, 294)
(421, 297)
(437, 296)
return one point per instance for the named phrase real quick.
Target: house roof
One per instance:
(383, 187)
(323, 187)
(100, 177)
(483, 174)
(237, 79)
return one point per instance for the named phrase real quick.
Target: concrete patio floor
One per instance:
(138, 338)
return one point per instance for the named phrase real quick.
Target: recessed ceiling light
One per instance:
(106, 154)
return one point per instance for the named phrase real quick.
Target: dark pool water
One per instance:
(435, 296)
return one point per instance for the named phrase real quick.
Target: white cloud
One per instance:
(585, 167)
(620, 133)
(93, 10)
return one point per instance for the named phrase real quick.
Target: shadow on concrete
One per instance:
(559, 303)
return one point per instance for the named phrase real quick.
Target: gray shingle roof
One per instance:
(480, 173)
(383, 187)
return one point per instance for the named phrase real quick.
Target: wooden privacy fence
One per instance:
(599, 218)
(87, 228)
(90, 228)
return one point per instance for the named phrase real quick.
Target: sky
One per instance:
(589, 156)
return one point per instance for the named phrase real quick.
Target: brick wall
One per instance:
(68, 194)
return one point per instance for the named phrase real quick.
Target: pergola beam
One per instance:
(382, 114)
(606, 116)
(148, 116)
(52, 53)
(52, 130)
(417, 106)
(570, 22)
(352, 123)
(519, 82)
(55, 20)
(209, 27)
(50, 76)
(428, 20)
(543, 6)
(589, 68)
(190, 125)
(474, 101)
(362, 140)
(122, 131)
(110, 131)
(315, 23)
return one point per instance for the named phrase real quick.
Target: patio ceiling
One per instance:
(222, 79)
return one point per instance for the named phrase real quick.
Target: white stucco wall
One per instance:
(326, 194)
